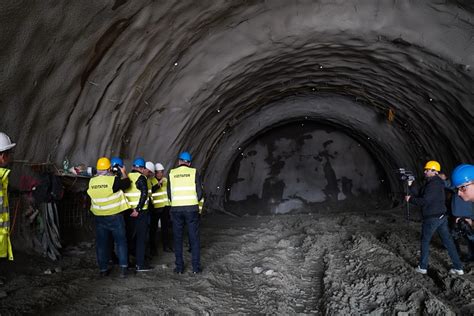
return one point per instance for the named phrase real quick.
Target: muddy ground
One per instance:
(345, 263)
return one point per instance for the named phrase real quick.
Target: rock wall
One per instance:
(83, 79)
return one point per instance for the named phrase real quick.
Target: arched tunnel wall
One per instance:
(152, 78)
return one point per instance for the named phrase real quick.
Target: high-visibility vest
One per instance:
(151, 182)
(160, 197)
(5, 244)
(133, 193)
(104, 201)
(183, 186)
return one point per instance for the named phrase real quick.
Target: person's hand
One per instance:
(134, 213)
(410, 182)
(468, 220)
(407, 198)
(442, 176)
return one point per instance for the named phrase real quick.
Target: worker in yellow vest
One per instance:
(138, 215)
(185, 191)
(107, 204)
(6, 147)
(161, 211)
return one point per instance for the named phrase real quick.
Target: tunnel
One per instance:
(288, 107)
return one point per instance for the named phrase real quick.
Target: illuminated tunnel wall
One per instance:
(83, 79)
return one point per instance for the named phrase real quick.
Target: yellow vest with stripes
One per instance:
(104, 201)
(183, 186)
(5, 244)
(133, 193)
(160, 197)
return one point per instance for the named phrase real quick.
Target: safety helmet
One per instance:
(433, 165)
(185, 156)
(116, 161)
(150, 166)
(5, 142)
(139, 162)
(462, 174)
(159, 167)
(103, 163)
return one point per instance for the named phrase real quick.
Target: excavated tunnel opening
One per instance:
(304, 167)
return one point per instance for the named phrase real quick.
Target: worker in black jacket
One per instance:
(431, 199)
(138, 218)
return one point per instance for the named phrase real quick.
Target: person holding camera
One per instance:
(431, 199)
(107, 204)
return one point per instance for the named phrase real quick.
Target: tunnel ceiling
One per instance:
(83, 79)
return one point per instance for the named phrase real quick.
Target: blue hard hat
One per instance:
(139, 162)
(116, 161)
(462, 174)
(185, 156)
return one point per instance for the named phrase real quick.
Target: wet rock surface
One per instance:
(309, 264)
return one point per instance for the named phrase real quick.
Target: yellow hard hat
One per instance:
(434, 165)
(103, 163)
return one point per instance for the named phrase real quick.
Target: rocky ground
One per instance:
(345, 264)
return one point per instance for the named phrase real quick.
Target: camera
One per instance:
(462, 229)
(116, 171)
(405, 175)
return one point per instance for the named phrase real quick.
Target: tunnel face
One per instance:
(147, 78)
(304, 166)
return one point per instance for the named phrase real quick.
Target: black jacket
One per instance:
(142, 185)
(431, 197)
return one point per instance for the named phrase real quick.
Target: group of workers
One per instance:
(128, 206)
(431, 198)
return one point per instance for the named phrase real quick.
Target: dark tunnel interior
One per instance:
(303, 166)
(142, 78)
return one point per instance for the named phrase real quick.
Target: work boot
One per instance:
(198, 271)
(123, 272)
(178, 271)
(168, 249)
(104, 273)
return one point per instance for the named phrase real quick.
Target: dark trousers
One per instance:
(440, 225)
(137, 234)
(105, 227)
(191, 219)
(160, 214)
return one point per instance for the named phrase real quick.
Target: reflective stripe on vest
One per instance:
(104, 201)
(183, 186)
(132, 193)
(5, 244)
(160, 197)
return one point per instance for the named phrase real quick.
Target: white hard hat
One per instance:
(5, 142)
(150, 166)
(159, 167)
